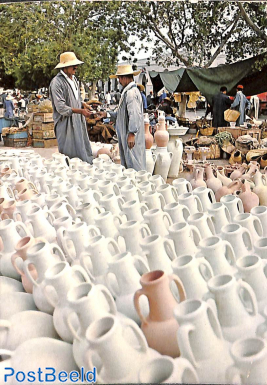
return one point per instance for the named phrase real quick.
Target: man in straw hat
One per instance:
(69, 110)
(129, 120)
(241, 104)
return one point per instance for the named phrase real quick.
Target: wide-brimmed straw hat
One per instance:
(125, 69)
(9, 97)
(68, 59)
(94, 101)
(167, 98)
(141, 87)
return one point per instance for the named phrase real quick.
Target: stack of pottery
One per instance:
(164, 158)
(131, 265)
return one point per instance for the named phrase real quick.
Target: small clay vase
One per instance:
(161, 136)
(227, 190)
(212, 182)
(148, 136)
(160, 327)
(248, 198)
(238, 172)
(197, 180)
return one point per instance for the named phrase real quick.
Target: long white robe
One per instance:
(70, 128)
(129, 118)
(241, 103)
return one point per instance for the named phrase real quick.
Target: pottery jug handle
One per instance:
(162, 201)
(244, 286)
(5, 352)
(80, 272)
(50, 217)
(143, 347)
(28, 273)
(144, 208)
(50, 299)
(61, 233)
(175, 193)
(120, 203)
(229, 253)
(145, 229)
(138, 294)
(140, 265)
(93, 230)
(109, 299)
(207, 268)
(184, 342)
(54, 247)
(169, 249)
(17, 216)
(114, 244)
(71, 210)
(21, 226)
(14, 263)
(258, 226)
(196, 235)
(199, 204)
(72, 330)
(179, 285)
(166, 215)
(113, 291)
(247, 239)
(214, 322)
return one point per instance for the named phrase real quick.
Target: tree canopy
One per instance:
(33, 35)
(184, 33)
(187, 33)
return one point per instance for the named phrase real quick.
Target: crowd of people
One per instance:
(70, 110)
(15, 103)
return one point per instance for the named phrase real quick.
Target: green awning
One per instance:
(209, 80)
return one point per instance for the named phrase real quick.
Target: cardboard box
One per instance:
(44, 143)
(40, 126)
(50, 134)
(43, 117)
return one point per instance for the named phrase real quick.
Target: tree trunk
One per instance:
(92, 88)
(182, 106)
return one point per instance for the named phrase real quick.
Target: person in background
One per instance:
(241, 104)
(220, 103)
(9, 107)
(108, 99)
(166, 107)
(142, 89)
(162, 96)
(129, 119)
(118, 96)
(149, 98)
(255, 105)
(69, 111)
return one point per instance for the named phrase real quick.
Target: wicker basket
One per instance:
(215, 152)
(207, 131)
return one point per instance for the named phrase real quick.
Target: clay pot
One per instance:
(212, 182)
(161, 136)
(148, 136)
(226, 190)
(197, 180)
(248, 198)
(160, 327)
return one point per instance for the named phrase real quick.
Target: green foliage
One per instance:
(33, 35)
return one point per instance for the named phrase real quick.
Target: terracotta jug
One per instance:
(148, 136)
(249, 198)
(212, 182)
(160, 327)
(238, 172)
(161, 135)
(226, 190)
(21, 252)
(222, 177)
(197, 180)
